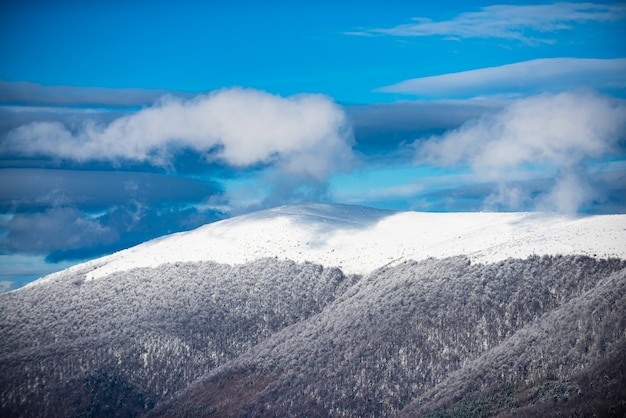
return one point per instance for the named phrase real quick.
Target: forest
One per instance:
(442, 337)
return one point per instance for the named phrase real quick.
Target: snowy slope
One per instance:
(360, 239)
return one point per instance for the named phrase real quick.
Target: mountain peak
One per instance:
(361, 239)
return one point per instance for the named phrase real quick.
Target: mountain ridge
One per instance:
(359, 239)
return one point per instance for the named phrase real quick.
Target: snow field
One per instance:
(360, 240)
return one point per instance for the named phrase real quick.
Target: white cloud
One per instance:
(522, 78)
(303, 135)
(562, 131)
(570, 192)
(510, 22)
(507, 196)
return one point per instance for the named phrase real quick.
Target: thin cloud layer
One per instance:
(33, 94)
(521, 23)
(522, 78)
(547, 133)
(383, 126)
(54, 229)
(27, 189)
(303, 135)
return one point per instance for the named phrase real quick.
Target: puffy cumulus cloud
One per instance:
(554, 135)
(561, 129)
(303, 135)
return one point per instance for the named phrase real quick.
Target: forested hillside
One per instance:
(278, 338)
(442, 329)
(128, 341)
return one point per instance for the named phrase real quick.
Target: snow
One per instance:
(360, 239)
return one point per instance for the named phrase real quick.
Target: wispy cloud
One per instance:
(521, 23)
(522, 78)
(303, 135)
(562, 132)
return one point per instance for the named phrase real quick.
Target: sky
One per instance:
(124, 121)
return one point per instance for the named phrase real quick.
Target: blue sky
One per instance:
(124, 121)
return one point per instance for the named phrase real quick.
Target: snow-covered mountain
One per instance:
(359, 239)
(331, 310)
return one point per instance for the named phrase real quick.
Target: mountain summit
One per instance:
(331, 310)
(360, 239)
